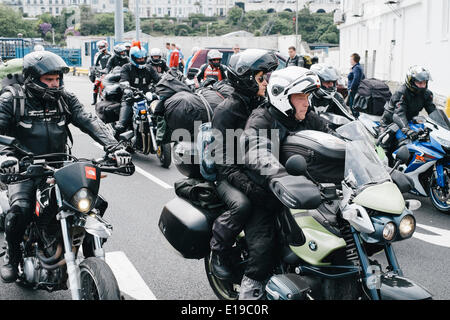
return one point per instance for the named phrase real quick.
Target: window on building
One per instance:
(57, 10)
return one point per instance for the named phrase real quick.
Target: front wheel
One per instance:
(440, 197)
(164, 154)
(98, 281)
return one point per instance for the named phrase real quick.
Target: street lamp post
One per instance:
(118, 21)
(137, 20)
(296, 28)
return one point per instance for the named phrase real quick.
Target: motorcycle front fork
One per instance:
(73, 270)
(371, 273)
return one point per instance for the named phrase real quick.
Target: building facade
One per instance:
(180, 8)
(391, 37)
(34, 8)
(291, 5)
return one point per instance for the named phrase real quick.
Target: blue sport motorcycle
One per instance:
(429, 163)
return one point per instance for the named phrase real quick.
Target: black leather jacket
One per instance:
(265, 131)
(43, 128)
(407, 105)
(232, 114)
(139, 78)
(115, 61)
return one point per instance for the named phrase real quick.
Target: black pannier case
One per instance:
(187, 228)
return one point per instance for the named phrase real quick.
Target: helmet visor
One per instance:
(44, 62)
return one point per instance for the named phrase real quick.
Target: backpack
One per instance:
(205, 138)
(372, 96)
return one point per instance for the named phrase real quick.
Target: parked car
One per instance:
(200, 58)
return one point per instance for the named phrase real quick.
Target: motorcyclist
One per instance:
(100, 61)
(119, 58)
(136, 74)
(213, 69)
(412, 97)
(128, 48)
(39, 121)
(326, 99)
(287, 111)
(247, 74)
(157, 62)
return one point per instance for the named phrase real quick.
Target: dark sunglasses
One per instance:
(263, 77)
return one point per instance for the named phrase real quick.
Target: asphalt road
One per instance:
(135, 204)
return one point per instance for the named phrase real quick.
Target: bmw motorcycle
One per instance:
(327, 233)
(429, 162)
(67, 215)
(145, 127)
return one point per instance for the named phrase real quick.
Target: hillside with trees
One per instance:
(314, 27)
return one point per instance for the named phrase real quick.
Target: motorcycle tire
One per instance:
(164, 154)
(98, 281)
(434, 197)
(223, 289)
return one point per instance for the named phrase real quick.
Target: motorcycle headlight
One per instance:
(407, 226)
(389, 231)
(83, 200)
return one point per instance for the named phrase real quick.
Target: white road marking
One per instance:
(441, 237)
(145, 173)
(129, 280)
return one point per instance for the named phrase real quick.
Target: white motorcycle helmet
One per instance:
(213, 55)
(155, 52)
(288, 81)
(102, 45)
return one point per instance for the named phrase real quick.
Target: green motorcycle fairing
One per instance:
(320, 242)
(385, 197)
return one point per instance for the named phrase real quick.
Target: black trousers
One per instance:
(21, 198)
(261, 238)
(229, 224)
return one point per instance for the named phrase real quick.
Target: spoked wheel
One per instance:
(440, 197)
(97, 281)
(164, 154)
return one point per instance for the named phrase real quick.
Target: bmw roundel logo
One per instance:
(313, 245)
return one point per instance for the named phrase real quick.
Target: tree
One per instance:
(234, 15)
(12, 23)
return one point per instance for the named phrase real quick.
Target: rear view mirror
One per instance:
(402, 154)
(296, 165)
(7, 141)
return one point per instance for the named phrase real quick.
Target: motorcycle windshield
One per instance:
(440, 118)
(362, 165)
(355, 131)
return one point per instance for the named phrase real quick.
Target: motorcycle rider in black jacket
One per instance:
(136, 74)
(39, 121)
(326, 99)
(119, 58)
(412, 97)
(287, 111)
(246, 73)
(157, 62)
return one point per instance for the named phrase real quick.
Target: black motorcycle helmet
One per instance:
(39, 63)
(120, 51)
(243, 67)
(417, 73)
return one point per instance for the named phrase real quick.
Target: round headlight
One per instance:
(83, 200)
(407, 226)
(389, 231)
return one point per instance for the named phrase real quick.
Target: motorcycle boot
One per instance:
(221, 265)
(125, 115)
(9, 272)
(15, 225)
(252, 289)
